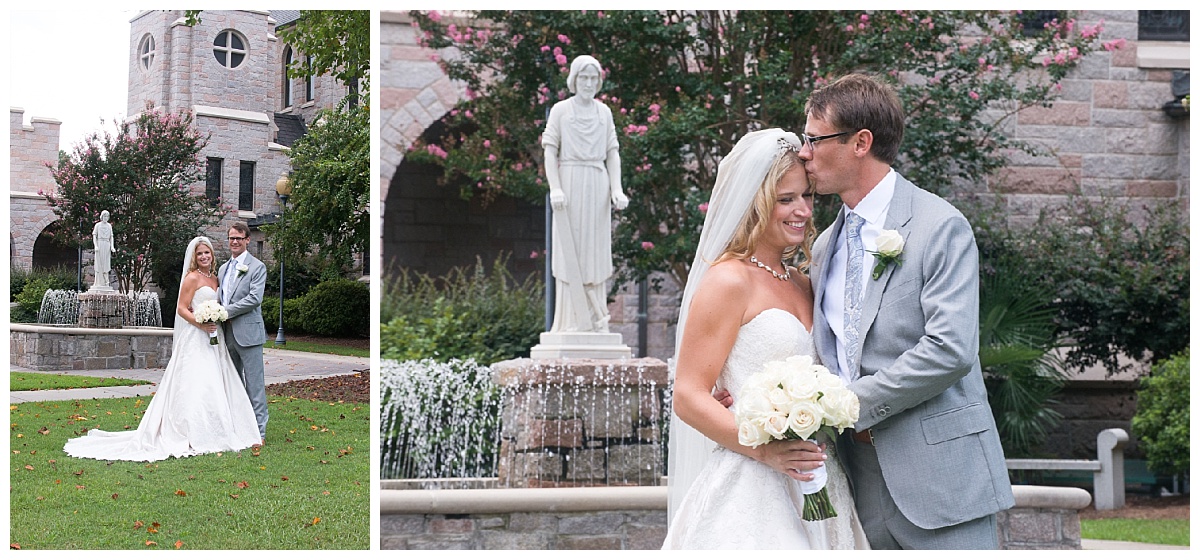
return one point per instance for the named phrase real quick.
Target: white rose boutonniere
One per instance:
(889, 245)
(242, 269)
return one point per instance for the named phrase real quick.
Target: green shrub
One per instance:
(336, 308)
(1120, 283)
(291, 314)
(1162, 422)
(469, 313)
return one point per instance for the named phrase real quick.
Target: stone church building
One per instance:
(228, 71)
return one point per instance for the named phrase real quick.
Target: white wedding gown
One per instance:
(200, 406)
(739, 503)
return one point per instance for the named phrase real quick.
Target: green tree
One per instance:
(684, 86)
(1163, 419)
(338, 41)
(328, 219)
(143, 173)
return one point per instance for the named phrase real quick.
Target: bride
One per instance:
(741, 308)
(201, 405)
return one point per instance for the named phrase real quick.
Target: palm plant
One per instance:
(1022, 373)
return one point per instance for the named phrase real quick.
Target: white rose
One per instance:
(751, 434)
(889, 243)
(775, 424)
(804, 418)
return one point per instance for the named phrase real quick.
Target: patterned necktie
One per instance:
(852, 309)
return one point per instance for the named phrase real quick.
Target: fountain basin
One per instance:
(633, 518)
(55, 347)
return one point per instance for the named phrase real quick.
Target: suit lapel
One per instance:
(899, 218)
(825, 341)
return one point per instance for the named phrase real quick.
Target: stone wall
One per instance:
(30, 147)
(56, 348)
(1044, 518)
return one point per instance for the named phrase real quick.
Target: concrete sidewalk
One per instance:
(280, 366)
(1091, 544)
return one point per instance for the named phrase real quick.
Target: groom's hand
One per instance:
(723, 397)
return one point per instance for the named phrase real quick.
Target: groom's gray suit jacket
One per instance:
(921, 390)
(245, 302)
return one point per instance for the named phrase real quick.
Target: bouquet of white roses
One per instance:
(211, 311)
(794, 399)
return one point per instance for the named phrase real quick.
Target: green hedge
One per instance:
(1163, 419)
(469, 313)
(338, 307)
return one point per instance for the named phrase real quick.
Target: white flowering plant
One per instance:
(795, 399)
(211, 311)
(889, 245)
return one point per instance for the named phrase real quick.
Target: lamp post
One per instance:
(283, 187)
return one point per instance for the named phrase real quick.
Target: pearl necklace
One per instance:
(209, 275)
(787, 275)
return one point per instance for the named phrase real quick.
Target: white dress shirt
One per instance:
(873, 209)
(230, 276)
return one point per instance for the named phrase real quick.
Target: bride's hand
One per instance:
(209, 327)
(792, 457)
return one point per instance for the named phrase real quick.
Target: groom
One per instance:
(243, 279)
(924, 458)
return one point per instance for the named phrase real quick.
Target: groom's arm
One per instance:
(949, 346)
(253, 299)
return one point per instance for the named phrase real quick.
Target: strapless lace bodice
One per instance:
(203, 294)
(773, 334)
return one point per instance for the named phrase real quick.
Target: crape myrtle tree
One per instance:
(684, 86)
(147, 174)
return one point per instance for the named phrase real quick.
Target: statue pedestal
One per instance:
(581, 422)
(601, 346)
(101, 309)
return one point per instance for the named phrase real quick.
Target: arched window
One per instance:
(146, 52)
(230, 48)
(287, 80)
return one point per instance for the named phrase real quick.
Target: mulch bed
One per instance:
(1140, 506)
(354, 388)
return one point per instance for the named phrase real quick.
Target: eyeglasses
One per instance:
(232, 238)
(811, 141)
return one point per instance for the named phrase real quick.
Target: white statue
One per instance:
(102, 239)
(583, 169)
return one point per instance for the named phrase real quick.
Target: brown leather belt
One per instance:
(865, 437)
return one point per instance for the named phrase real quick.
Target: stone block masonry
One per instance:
(43, 348)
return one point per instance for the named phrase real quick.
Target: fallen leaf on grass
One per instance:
(284, 478)
(114, 496)
(243, 485)
(316, 520)
(14, 546)
(178, 544)
(151, 543)
(326, 492)
(44, 431)
(80, 487)
(180, 492)
(28, 467)
(80, 473)
(234, 496)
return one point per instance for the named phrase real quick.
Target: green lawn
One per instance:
(29, 381)
(1156, 531)
(301, 346)
(308, 488)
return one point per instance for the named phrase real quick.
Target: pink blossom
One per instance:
(491, 157)
(647, 245)
(533, 254)
(436, 150)
(850, 28)
(677, 89)
(865, 18)
(487, 143)
(468, 114)
(652, 118)
(563, 39)
(545, 48)
(973, 95)
(1114, 44)
(703, 207)
(557, 51)
(561, 59)
(435, 16)
(599, 14)
(654, 108)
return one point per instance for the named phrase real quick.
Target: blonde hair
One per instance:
(745, 239)
(196, 264)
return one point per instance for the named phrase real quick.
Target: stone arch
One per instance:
(48, 253)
